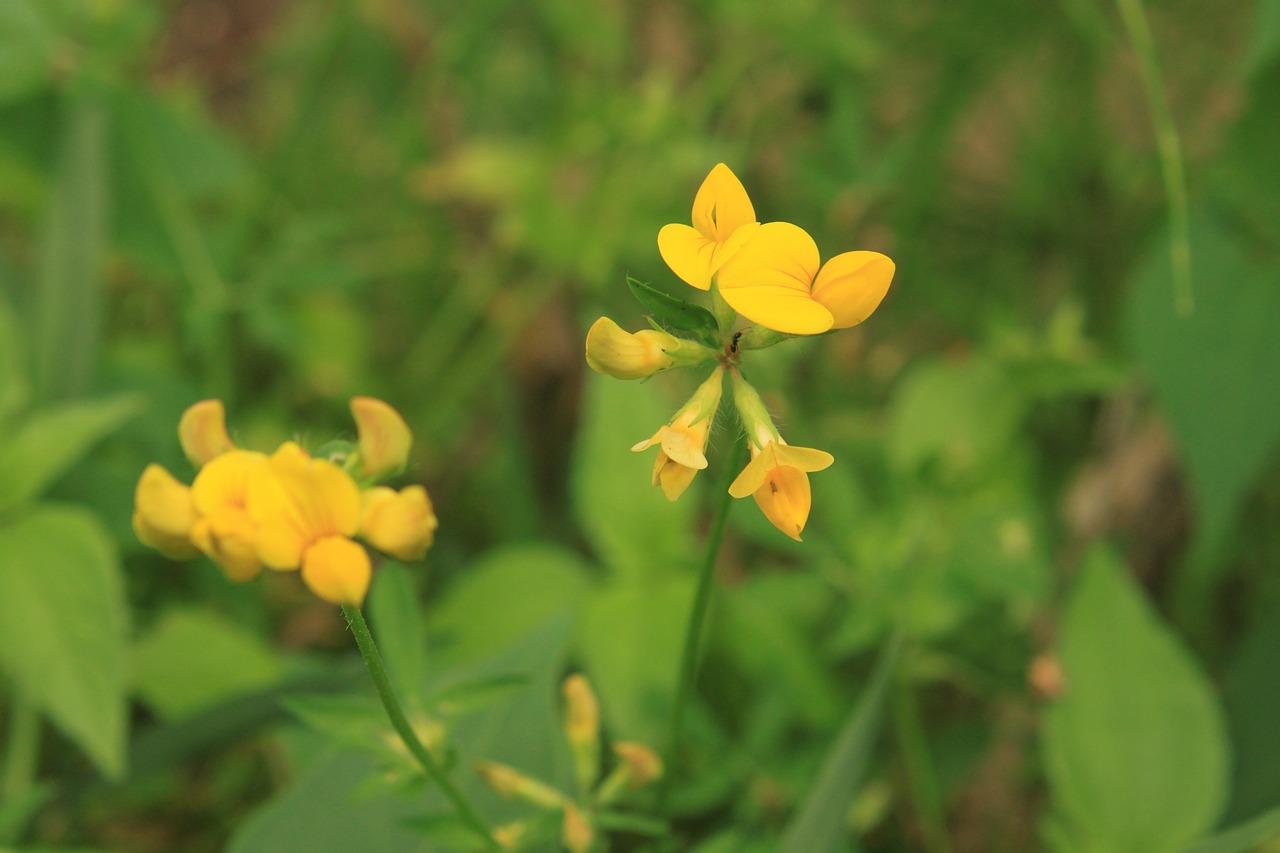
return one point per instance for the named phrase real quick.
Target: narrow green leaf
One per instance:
(63, 626)
(52, 440)
(822, 823)
(67, 308)
(676, 315)
(13, 374)
(397, 625)
(1135, 749)
(1242, 838)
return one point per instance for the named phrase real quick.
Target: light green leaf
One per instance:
(52, 440)
(396, 619)
(637, 532)
(822, 823)
(13, 374)
(1135, 749)
(192, 658)
(1242, 838)
(63, 626)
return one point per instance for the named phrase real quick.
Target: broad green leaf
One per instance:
(637, 532)
(396, 619)
(51, 441)
(504, 596)
(67, 306)
(822, 822)
(1135, 749)
(630, 639)
(676, 315)
(63, 626)
(192, 658)
(27, 47)
(1242, 838)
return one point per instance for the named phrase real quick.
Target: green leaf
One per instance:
(349, 720)
(67, 306)
(1135, 749)
(13, 375)
(52, 440)
(822, 822)
(27, 46)
(63, 626)
(1242, 838)
(396, 619)
(192, 659)
(676, 315)
(637, 532)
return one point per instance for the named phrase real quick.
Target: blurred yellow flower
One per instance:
(402, 524)
(683, 442)
(202, 431)
(723, 219)
(774, 280)
(225, 531)
(164, 513)
(383, 438)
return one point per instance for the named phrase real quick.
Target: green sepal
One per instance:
(676, 315)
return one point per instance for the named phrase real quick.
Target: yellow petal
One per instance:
(576, 832)
(752, 476)
(229, 538)
(851, 286)
(225, 481)
(300, 501)
(686, 445)
(768, 279)
(337, 570)
(784, 498)
(781, 309)
(721, 205)
(202, 431)
(643, 764)
(656, 438)
(803, 458)
(164, 513)
(401, 524)
(618, 353)
(383, 437)
(689, 254)
(672, 476)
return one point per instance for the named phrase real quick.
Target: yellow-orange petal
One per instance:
(383, 438)
(229, 538)
(202, 431)
(164, 513)
(299, 501)
(401, 524)
(852, 285)
(721, 205)
(337, 570)
(784, 498)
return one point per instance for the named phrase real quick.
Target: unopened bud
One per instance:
(637, 766)
(508, 836)
(513, 784)
(625, 355)
(582, 727)
(577, 833)
(202, 431)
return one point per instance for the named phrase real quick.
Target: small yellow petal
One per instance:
(673, 477)
(401, 524)
(803, 458)
(852, 285)
(754, 475)
(164, 513)
(784, 498)
(721, 205)
(689, 253)
(383, 437)
(229, 538)
(643, 764)
(337, 570)
(202, 431)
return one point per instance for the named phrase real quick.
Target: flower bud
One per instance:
(202, 432)
(513, 784)
(383, 438)
(582, 728)
(401, 524)
(625, 355)
(577, 832)
(637, 766)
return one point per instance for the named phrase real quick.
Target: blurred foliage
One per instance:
(1059, 493)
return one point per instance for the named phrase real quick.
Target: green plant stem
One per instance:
(395, 711)
(921, 774)
(698, 620)
(22, 750)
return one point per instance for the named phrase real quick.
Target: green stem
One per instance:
(395, 711)
(921, 775)
(22, 750)
(697, 621)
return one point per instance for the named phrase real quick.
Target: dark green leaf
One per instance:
(676, 315)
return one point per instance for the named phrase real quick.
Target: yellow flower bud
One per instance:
(383, 437)
(643, 764)
(625, 355)
(508, 835)
(513, 784)
(202, 432)
(164, 513)
(401, 524)
(582, 727)
(576, 832)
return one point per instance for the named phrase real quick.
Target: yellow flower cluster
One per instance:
(289, 510)
(771, 274)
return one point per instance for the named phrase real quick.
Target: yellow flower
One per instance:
(225, 531)
(774, 280)
(306, 511)
(623, 355)
(164, 513)
(402, 524)
(683, 442)
(202, 431)
(383, 438)
(777, 476)
(723, 219)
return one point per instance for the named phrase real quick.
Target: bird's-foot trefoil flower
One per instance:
(723, 219)
(683, 442)
(288, 511)
(778, 474)
(775, 279)
(635, 355)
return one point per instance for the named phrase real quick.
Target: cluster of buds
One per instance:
(635, 766)
(769, 274)
(289, 510)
